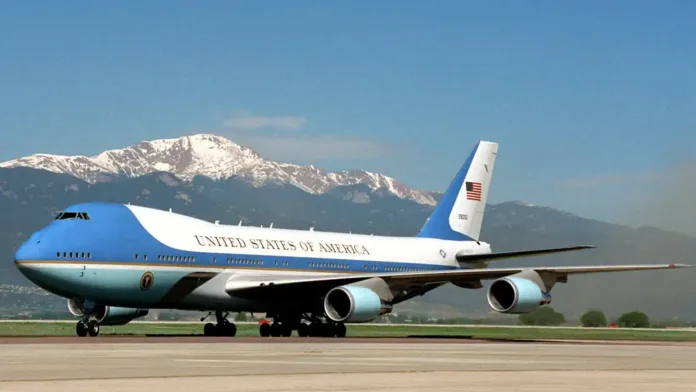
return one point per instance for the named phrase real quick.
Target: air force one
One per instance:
(115, 262)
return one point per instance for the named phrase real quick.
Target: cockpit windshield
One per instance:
(72, 215)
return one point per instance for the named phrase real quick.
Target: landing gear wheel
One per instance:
(275, 330)
(285, 330)
(223, 327)
(93, 328)
(265, 330)
(340, 330)
(329, 330)
(303, 330)
(209, 329)
(231, 330)
(226, 329)
(314, 329)
(81, 328)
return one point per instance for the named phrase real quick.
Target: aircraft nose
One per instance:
(29, 270)
(30, 249)
(29, 263)
(26, 256)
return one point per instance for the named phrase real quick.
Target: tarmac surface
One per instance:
(123, 363)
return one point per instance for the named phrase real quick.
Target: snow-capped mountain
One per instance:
(211, 156)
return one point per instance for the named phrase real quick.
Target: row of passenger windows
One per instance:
(329, 265)
(403, 269)
(183, 259)
(74, 255)
(231, 260)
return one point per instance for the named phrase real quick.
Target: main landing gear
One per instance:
(223, 327)
(283, 327)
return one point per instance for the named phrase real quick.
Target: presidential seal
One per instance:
(146, 281)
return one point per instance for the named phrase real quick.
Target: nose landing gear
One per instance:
(84, 327)
(88, 325)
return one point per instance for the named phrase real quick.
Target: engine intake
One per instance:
(516, 295)
(354, 304)
(107, 315)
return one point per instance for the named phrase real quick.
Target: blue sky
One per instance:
(591, 101)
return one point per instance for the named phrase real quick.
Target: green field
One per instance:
(363, 330)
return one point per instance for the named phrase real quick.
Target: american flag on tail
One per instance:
(473, 191)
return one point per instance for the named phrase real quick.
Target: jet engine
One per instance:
(516, 295)
(107, 315)
(354, 304)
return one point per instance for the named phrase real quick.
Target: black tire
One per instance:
(285, 330)
(340, 330)
(324, 330)
(230, 330)
(275, 330)
(93, 328)
(209, 329)
(314, 329)
(265, 330)
(81, 329)
(329, 330)
(303, 330)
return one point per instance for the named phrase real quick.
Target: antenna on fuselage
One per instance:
(311, 229)
(271, 226)
(170, 209)
(217, 222)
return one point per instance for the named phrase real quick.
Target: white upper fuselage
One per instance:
(194, 235)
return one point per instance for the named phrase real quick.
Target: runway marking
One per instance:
(291, 362)
(462, 371)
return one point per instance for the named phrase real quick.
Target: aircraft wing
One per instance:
(273, 285)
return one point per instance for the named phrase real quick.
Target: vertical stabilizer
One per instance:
(459, 214)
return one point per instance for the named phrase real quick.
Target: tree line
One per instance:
(547, 316)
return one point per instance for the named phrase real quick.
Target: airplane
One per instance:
(113, 263)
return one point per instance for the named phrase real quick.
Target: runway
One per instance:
(112, 364)
(422, 339)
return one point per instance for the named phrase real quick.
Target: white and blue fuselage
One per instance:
(101, 251)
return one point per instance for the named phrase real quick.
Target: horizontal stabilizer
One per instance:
(463, 258)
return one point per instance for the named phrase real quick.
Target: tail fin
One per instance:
(459, 214)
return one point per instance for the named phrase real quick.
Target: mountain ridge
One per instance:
(211, 156)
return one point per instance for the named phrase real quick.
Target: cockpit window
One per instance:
(72, 215)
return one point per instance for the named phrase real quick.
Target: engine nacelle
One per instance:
(353, 304)
(107, 315)
(516, 295)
